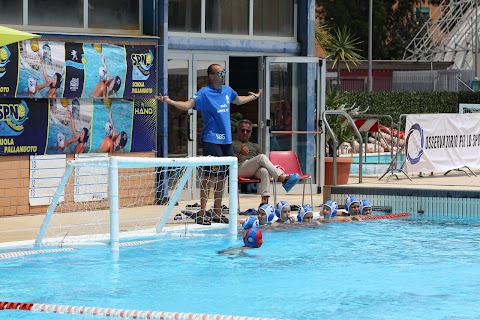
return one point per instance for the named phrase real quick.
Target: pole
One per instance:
(370, 35)
(476, 41)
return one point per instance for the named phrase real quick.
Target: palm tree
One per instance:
(339, 46)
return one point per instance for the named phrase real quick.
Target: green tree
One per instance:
(340, 46)
(395, 23)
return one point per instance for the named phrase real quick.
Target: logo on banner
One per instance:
(414, 144)
(4, 60)
(141, 62)
(12, 117)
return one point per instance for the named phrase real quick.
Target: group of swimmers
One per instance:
(273, 217)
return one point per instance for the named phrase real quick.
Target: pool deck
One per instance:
(25, 227)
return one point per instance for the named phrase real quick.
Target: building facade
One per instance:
(105, 61)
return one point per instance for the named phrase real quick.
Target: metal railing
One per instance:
(335, 142)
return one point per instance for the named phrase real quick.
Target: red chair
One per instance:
(243, 180)
(289, 161)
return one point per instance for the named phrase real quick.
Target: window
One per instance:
(184, 15)
(273, 18)
(11, 12)
(66, 13)
(54, 15)
(118, 14)
(227, 16)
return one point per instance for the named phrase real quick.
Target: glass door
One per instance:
(179, 89)
(292, 109)
(187, 73)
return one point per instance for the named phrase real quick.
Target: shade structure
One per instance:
(9, 35)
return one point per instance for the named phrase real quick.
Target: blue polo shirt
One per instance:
(215, 107)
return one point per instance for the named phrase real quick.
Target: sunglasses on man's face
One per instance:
(245, 130)
(221, 73)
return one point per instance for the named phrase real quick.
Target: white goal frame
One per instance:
(114, 163)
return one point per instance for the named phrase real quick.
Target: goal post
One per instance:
(107, 199)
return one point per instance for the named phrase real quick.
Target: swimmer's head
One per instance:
(365, 207)
(282, 210)
(352, 205)
(305, 214)
(58, 80)
(102, 72)
(117, 83)
(332, 206)
(123, 139)
(251, 222)
(86, 135)
(61, 140)
(32, 85)
(253, 238)
(266, 214)
(108, 129)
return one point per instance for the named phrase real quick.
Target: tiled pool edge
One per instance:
(430, 203)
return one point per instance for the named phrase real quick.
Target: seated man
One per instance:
(253, 163)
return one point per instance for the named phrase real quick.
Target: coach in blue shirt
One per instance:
(214, 101)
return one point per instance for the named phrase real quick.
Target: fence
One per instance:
(429, 80)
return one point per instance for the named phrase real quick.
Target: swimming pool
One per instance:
(383, 269)
(374, 164)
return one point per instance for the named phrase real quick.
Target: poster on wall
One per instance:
(76, 126)
(40, 72)
(48, 69)
(23, 126)
(8, 70)
(106, 71)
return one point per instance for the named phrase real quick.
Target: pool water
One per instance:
(374, 164)
(382, 269)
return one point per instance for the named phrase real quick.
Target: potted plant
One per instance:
(339, 46)
(343, 132)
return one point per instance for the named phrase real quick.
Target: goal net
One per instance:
(113, 199)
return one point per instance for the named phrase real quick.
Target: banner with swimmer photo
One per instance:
(74, 126)
(48, 69)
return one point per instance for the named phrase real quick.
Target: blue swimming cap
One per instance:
(302, 211)
(279, 207)
(253, 238)
(333, 208)
(251, 222)
(349, 201)
(364, 204)
(270, 211)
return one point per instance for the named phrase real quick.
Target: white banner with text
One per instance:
(442, 142)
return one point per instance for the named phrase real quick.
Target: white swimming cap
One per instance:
(302, 211)
(269, 211)
(349, 201)
(32, 85)
(333, 208)
(102, 72)
(280, 205)
(108, 129)
(61, 140)
(251, 222)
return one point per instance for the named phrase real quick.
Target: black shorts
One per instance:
(217, 150)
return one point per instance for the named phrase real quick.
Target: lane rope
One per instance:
(386, 216)
(27, 253)
(118, 313)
